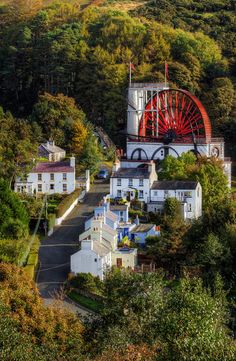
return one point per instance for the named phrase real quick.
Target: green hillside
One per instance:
(84, 51)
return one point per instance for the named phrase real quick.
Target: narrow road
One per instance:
(55, 251)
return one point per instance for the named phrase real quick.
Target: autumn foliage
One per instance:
(47, 328)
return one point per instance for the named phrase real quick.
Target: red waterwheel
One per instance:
(174, 115)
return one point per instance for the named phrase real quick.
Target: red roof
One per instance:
(53, 167)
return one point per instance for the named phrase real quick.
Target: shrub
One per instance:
(86, 282)
(13, 251)
(133, 213)
(67, 202)
(51, 221)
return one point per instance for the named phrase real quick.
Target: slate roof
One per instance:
(53, 167)
(112, 216)
(52, 148)
(119, 207)
(170, 185)
(100, 249)
(131, 173)
(141, 228)
(108, 229)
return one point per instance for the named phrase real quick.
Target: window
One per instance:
(39, 187)
(64, 176)
(95, 260)
(130, 182)
(51, 187)
(166, 193)
(155, 193)
(188, 194)
(140, 194)
(189, 207)
(18, 189)
(119, 193)
(64, 187)
(119, 182)
(52, 177)
(39, 177)
(140, 182)
(162, 153)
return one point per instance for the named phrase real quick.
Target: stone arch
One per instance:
(140, 151)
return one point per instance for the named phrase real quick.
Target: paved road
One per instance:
(55, 251)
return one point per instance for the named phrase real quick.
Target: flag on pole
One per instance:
(131, 67)
(166, 71)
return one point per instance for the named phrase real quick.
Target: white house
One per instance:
(93, 257)
(49, 177)
(51, 151)
(101, 232)
(189, 193)
(132, 179)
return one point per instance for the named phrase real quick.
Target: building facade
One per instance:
(188, 193)
(93, 257)
(130, 180)
(49, 178)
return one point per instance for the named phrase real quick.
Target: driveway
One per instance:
(55, 251)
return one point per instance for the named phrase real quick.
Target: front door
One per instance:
(119, 262)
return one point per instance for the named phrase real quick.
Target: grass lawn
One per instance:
(85, 301)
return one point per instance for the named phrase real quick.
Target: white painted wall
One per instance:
(124, 188)
(193, 209)
(32, 183)
(128, 259)
(129, 186)
(88, 261)
(151, 148)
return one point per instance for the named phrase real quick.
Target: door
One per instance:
(119, 262)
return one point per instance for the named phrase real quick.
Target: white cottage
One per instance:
(189, 193)
(49, 177)
(94, 258)
(132, 179)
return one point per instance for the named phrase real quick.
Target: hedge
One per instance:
(30, 270)
(67, 202)
(33, 259)
(51, 221)
(134, 213)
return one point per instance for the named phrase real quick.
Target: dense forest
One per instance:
(85, 53)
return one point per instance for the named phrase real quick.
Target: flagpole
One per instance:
(130, 73)
(165, 73)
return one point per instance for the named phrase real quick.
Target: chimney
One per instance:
(151, 167)
(136, 221)
(116, 166)
(87, 245)
(72, 162)
(50, 142)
